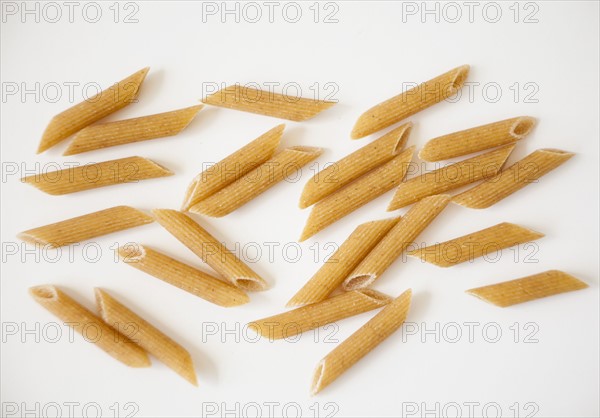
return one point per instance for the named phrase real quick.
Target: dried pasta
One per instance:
(267, 103)
(410, 102)
(354, 165)
(91, 110)
(126, 131)
(92, 176)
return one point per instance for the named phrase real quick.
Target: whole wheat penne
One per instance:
(315, 315)
(85, 227)
(341, 263)
(354, 165)
(362, 342)
(267, 103)
(126, 131)
(514, 178)
(147, 336)
(94, 175)
(182, 275)
(209, 249)
(477, 244)
(477, 139)
(450, 177)
(232, 167)
(541, 285)
(396, 241)
(256, 181)
(410, 102)
(92, 328)
(356, 194)
(91, 110)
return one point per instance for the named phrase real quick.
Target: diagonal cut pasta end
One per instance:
(522, 127)
(359, 281)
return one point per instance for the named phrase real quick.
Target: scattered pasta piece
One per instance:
(233, 167)
(85, 227)
(297, 321)
(477, 139)
(92, 176)
(396, 241)
(256, 181)
(477, 244)
(362, 342)
(90, 326)
(410, 102)
(514, 178)
(333, 272)
(267, 103)
(126, 131)
(450, 177)
(117, 316)
(354, 165)
(209, 249)
(541, 285)
(182, 275)
(358, 193)
(91, 110)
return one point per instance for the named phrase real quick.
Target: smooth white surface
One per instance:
(368, 54)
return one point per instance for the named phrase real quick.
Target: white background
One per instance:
(369, 54)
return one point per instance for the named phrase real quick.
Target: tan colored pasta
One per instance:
(91, 110)
(362, 342)
(209, 249)
(333, 272)
(541, 285)
(354, 165)
(267, 103)
(514, 178)
(356, 194)
(90, 326)
(85, 227)
(410, 102)
(126, 131)
(92, 176)
(477, 244)
(118, 316)
(256, 181)
(477, 139)
(297, 321)
(395, 242)
(182, 275)
(450, 177)
(239, 163)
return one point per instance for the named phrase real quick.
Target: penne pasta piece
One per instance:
(92, 176)
(410, 102)
(85, 227)
(477, 139)
(256, 181)
(91, 110)
(541, 285)
(297, 321)
(362, 342)
(209, 249)
(173, 355)
(333, 272)
(514, 178)
(233, 167)
(396, 241)
(477, 244)
(267, 103)
(356, 194)
(182, 275)
(126, 131)
(450, 177)
(354, 165)
(92, 328)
